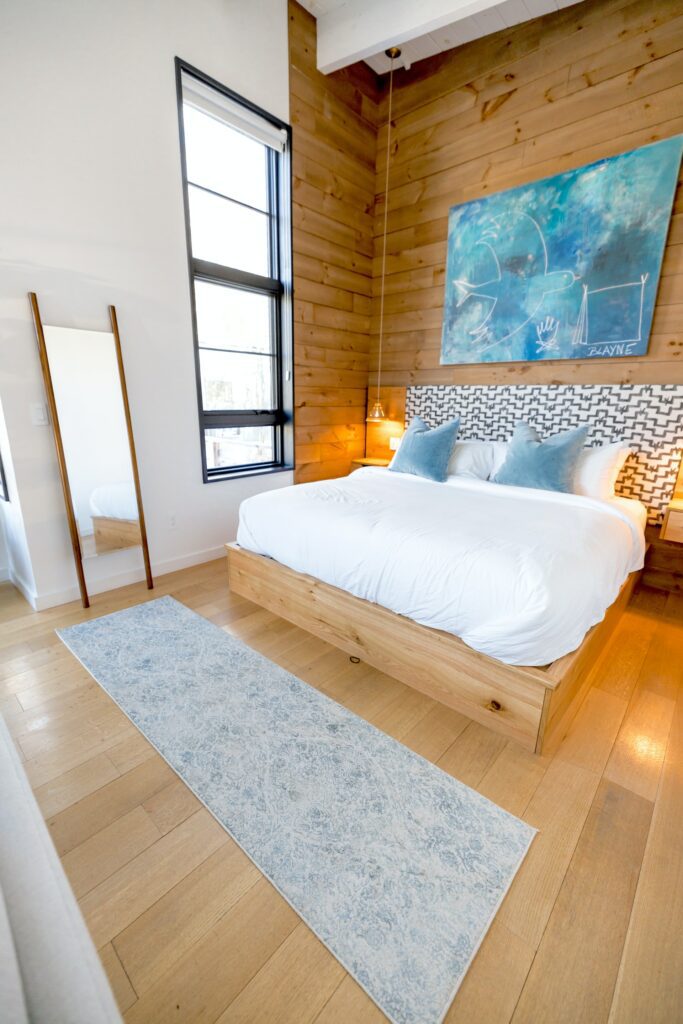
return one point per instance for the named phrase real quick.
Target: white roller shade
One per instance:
(210, 101)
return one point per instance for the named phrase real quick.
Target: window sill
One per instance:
(244, 473)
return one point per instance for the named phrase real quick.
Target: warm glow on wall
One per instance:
(383, 431)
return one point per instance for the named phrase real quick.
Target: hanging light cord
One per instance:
(384, 239)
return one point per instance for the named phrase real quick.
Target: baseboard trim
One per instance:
(185, 561)
(23, 588)
(123, 579)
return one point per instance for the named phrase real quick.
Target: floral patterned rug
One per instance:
(396, 866)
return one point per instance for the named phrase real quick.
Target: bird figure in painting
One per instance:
(519, 279)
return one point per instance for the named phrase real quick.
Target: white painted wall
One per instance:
(91, 213)
(4, 555)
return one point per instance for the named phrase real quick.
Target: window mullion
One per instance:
(206, 271)
(238, 351)
(212, 419)
(228, 199)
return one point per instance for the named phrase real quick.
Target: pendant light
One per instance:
(377, 411)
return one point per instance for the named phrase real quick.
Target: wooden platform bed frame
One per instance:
(531, 705)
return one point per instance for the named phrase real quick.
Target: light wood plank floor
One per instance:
(187, 928)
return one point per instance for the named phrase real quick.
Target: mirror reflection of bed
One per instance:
(87, 390)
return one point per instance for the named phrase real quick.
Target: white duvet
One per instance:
(519, 574)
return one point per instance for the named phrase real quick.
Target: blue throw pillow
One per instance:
(547, 465)
(426, 452)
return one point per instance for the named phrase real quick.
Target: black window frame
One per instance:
(279, 286)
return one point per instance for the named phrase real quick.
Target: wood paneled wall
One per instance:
(334, 121)
(584, 83)
(555, 93)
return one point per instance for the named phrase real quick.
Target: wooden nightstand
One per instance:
(663, 563)
(357, 463)
(672, 527)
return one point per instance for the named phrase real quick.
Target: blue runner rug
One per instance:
(396, 866)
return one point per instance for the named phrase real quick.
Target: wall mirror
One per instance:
(86, 392)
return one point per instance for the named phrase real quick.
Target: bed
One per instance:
(495, 600)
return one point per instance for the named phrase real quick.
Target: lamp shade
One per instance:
(377, 411)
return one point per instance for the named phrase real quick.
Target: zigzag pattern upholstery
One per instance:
(648, 416)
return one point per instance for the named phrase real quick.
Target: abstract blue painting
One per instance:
(563, 268)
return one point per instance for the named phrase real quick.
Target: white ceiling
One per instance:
(351, 30)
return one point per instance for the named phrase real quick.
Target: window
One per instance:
(235, 161)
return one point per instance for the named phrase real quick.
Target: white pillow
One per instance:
(598, 469)
(471, 458)
(500, 450)
(478, 460)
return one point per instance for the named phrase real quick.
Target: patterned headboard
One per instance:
(648, 416)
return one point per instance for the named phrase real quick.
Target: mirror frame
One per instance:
(4, 493)
(61, 459)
